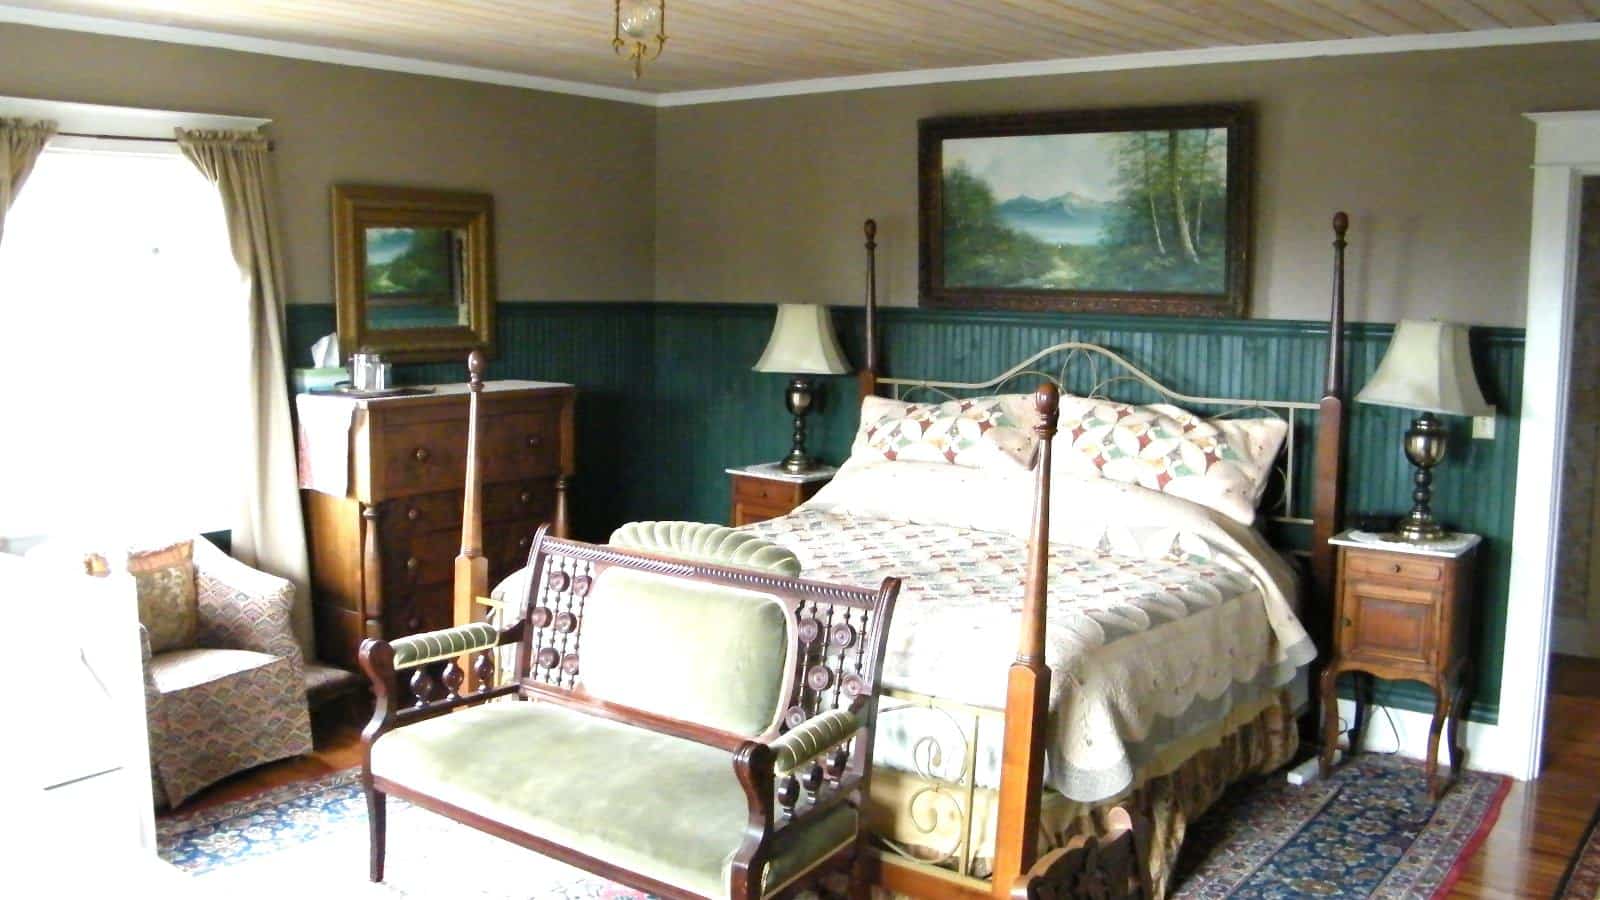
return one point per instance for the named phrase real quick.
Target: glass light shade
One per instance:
(803, 343)
(1428, 366)
(639, 19)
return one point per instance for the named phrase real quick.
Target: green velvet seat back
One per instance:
(663, 807)
(702, 542)
(695, 651)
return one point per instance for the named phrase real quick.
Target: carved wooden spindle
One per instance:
(838, 761)
(483, 667)
(814, 778)
(788, 793)
(454, 677)
(422, 687)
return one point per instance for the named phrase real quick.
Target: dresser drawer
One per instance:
(1410, 568)
(532, 501)
(506, 546)
(422, 512)
(417, 609)
(419, 458)
(420, 559)
(521, 445)
(1388, 623)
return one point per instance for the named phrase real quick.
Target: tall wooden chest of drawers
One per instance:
(383, 551)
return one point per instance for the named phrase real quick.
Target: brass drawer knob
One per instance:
(525, 497)
(1395, 568)
(534, 441)
(413, 514)
(525, 543)
(411, 565)
(1346, 621)
(422, 454)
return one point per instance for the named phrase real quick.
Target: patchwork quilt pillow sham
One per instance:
(1223, 464)
(976, 432)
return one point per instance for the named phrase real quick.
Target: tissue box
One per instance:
(306, 380)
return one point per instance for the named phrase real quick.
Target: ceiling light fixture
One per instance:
(631, 29)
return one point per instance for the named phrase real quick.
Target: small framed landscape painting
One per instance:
(412, 265)
(1121, 211)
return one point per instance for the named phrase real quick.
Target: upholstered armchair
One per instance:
(224, 678)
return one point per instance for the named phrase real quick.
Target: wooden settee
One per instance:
(688, 727)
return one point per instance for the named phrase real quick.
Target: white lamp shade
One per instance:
(802, 343)
(1428, 366)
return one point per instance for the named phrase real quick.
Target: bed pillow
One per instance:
(978, 432)
(1223, 464)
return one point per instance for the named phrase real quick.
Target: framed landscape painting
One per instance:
(1120, 211)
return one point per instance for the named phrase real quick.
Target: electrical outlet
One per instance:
(1483, 428)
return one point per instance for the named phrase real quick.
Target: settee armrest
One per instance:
(242, 608)
(813, 738)
(432, 646)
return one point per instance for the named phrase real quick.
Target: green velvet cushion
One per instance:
(660, 806)
(694, 651)
(801, 745)
(701, 542)
(416, 649)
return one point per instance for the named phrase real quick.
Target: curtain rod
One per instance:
(117, 137)
(125, 137)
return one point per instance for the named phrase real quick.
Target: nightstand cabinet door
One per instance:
(1390, 623)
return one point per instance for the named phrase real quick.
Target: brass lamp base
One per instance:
(797, 397)
(1425, 445)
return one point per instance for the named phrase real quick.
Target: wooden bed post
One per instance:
(1327, 509)
(868, 374)
(1028, 684)
(472, 568)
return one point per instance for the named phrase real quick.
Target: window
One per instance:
(121, 347)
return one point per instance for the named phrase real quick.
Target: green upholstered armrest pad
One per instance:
(431, 646)
(815, 735)
(702, 542)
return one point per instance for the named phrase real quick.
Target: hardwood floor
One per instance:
(1543, 820)
(1524, 856)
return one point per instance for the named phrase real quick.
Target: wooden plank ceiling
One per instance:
(732, 43)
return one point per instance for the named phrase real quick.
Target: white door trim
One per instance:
(1567, 148)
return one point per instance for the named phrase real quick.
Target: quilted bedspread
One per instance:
(1162, 622)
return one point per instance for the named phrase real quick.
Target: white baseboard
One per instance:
(1489, 748)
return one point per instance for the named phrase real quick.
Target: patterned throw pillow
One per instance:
(1223, 464)
(168, 604)
(978, 432)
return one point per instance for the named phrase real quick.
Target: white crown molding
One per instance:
(293, 50)
(1502, 37)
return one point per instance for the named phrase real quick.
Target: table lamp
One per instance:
(1427, 367)
(802, 344)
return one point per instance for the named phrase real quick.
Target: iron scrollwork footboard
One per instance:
(938, 796)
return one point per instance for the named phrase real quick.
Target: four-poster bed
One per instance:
(1013, 788)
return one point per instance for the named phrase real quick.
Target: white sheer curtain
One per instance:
(117, 345)
(270, 532)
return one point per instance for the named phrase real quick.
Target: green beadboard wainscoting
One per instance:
(667, 401)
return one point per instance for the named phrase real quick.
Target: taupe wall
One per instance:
(567, 173)
(763, 200)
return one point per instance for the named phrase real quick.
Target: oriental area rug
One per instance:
(1582, 880)
(1367, 832)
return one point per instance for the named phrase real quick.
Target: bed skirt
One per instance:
(929, 821)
